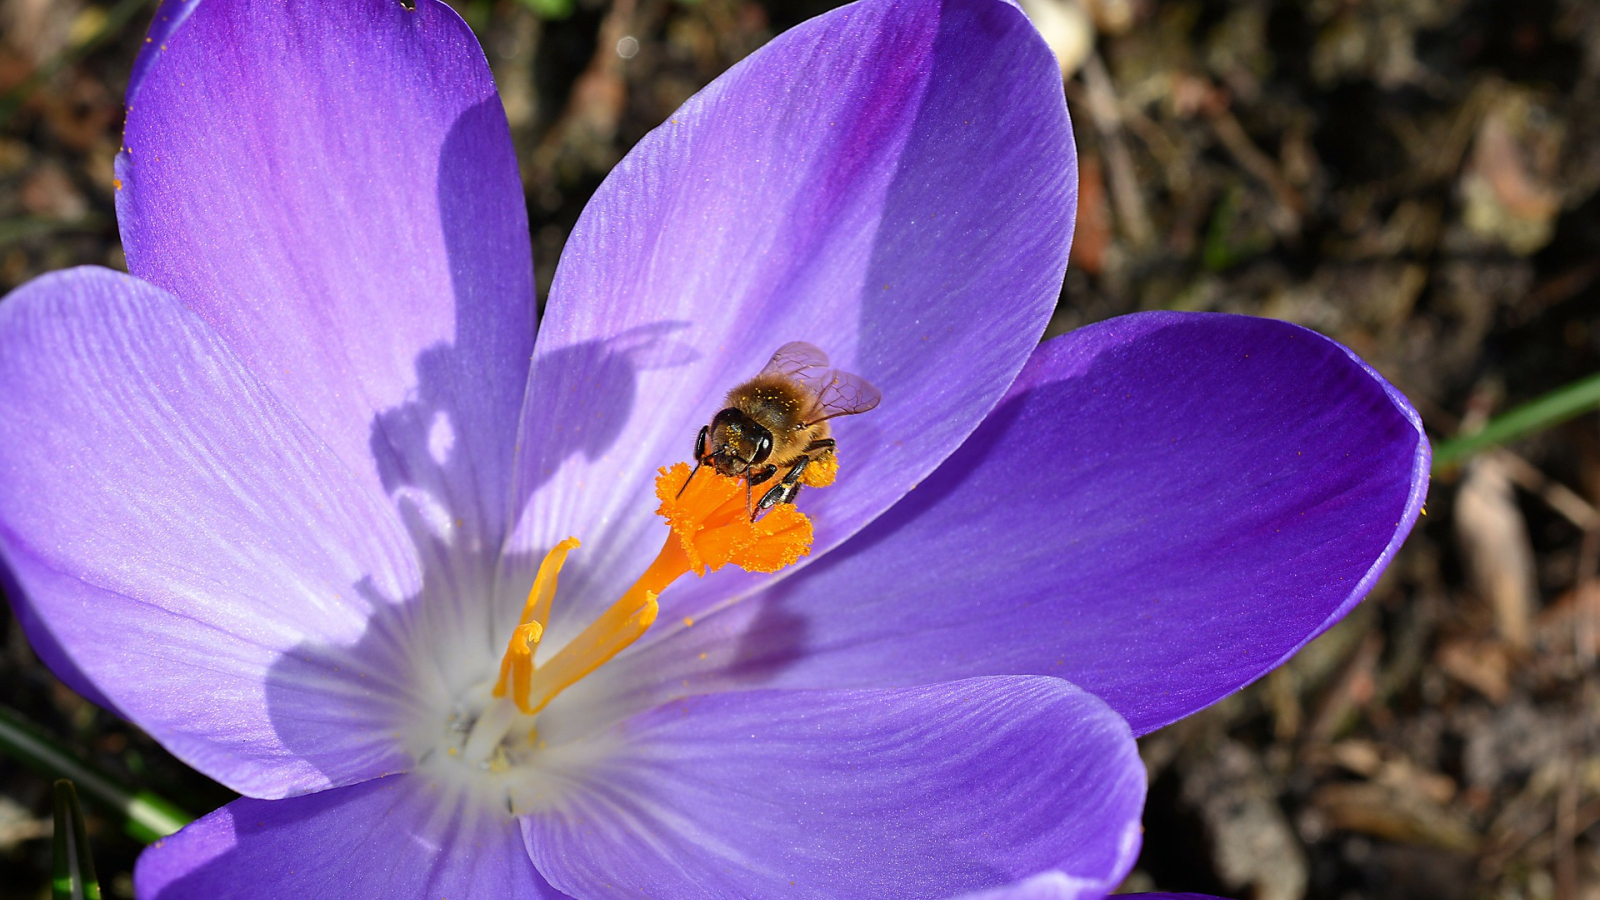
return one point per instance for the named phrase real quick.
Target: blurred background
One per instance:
(1415, 178)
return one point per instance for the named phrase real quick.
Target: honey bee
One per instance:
(778, 422)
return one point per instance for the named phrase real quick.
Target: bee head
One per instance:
(736, 443)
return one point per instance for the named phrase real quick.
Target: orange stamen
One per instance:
(714, 528)
(710, 528)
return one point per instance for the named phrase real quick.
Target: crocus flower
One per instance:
(295, 496)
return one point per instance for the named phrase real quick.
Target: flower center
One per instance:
(710, 527)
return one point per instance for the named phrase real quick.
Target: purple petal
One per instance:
(1044, 886)
(393, 838)
(45, 646)
(918, 792)
(169, 15)
(892, 181)
(332, 187)
(1163, 509)
(205, 562)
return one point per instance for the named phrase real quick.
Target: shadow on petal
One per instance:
(423, 658)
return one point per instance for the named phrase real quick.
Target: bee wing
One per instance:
(803, 362)
(844, 394)
(838, 393)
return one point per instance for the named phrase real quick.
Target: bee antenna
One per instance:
(697, 464)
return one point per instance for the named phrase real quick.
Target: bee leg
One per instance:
(787, 489)
(751, 479)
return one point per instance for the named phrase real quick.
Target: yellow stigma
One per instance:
(710, 527)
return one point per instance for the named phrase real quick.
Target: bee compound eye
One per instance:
(763, 448)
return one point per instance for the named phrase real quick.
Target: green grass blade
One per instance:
(1552, 409)
(73, 869)
(145, 816)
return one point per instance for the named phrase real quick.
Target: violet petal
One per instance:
(169, 15)
(1044, 886)
(1165, 507)
(891, 181)
(332, 186)
(917, 792)
(175, 531)
(395, 837)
